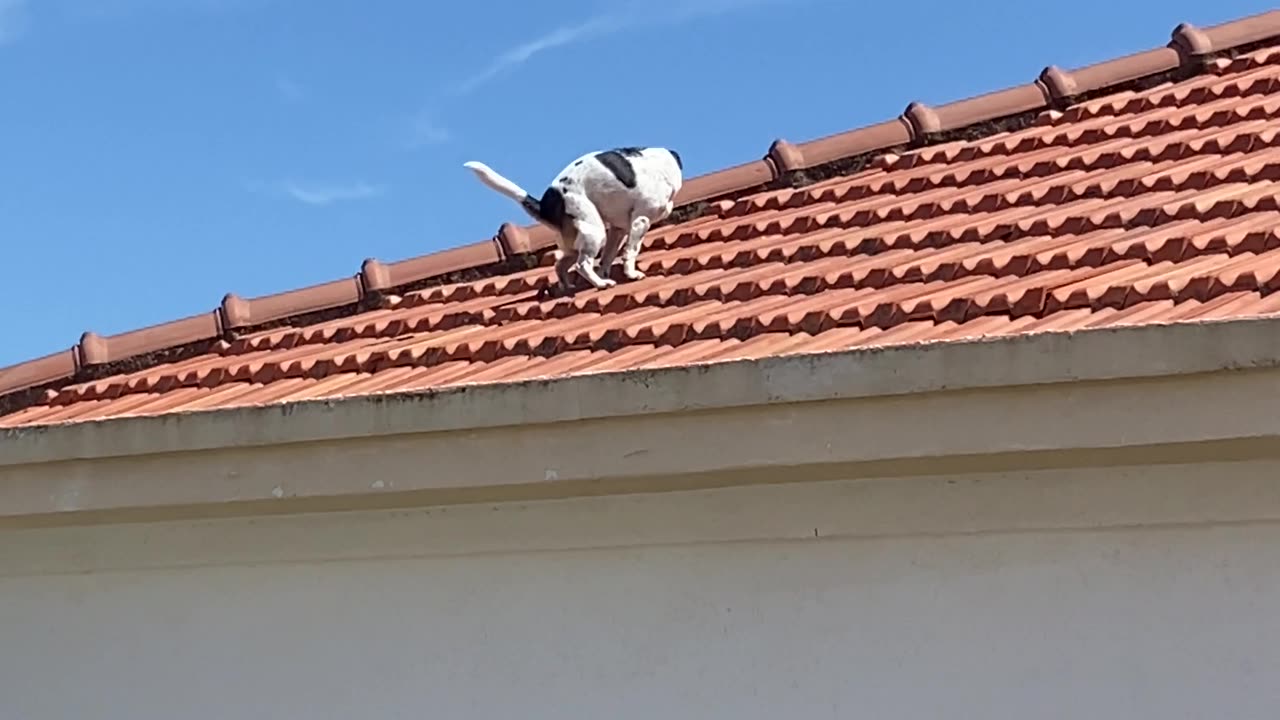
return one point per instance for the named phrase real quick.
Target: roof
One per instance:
(1138, 190)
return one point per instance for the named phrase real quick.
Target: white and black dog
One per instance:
(597, 203)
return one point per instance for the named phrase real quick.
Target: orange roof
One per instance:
(1138, 190)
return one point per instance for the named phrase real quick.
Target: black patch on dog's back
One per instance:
(676, 155)
(630, 151)
(617, 163)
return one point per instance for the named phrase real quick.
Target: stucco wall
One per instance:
(1109, 593)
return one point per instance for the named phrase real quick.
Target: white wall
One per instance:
(979, 597)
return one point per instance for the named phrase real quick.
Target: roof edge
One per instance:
(1189, 52)
(1084, 356)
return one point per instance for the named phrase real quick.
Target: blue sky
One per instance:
(157, 154)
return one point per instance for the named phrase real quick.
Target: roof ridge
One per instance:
(1190, 51)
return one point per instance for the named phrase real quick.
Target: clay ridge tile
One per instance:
(1190, 51)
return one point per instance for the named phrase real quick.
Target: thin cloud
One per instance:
(13, 20)
(105, 9)
(329, 194)
(319, 194)
(425, 131)
(289, 89)
(636, 16)
(521, 53)
(15, 15)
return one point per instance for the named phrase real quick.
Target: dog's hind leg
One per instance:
(565, 263)
(589, 236)
(591, 239)
(639, 226)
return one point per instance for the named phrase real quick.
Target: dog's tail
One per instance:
(490, 177)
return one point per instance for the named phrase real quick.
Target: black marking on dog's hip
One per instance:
(676, 155)
(618, 164)
(551, 208)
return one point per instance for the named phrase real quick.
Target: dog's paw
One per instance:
(633, 274)
(606, 283)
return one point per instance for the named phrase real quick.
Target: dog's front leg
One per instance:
(639, 226)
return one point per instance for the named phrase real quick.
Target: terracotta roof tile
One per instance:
(1144, 189)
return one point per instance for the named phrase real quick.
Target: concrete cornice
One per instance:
(1173, 394)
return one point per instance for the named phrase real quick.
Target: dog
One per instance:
(598, 203)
